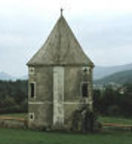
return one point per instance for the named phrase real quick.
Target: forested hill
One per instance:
(124, 77)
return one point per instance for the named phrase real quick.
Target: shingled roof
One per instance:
(61, 48)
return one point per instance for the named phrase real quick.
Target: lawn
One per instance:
(21, 136)
(118, 120)
(18, 136)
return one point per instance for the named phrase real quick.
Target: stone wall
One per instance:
(43, 115)
(68, 87)
(41, 105)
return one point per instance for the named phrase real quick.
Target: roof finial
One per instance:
(61, 11)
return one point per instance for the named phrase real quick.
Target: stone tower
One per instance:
(60, 80)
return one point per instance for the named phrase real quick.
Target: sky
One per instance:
(103, 28)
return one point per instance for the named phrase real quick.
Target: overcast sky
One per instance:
(103, 28)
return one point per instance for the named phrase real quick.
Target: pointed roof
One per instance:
(61, 48)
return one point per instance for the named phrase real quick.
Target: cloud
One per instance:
(103, 28)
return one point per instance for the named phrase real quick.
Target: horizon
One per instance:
(26, 74)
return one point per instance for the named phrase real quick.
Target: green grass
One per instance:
(17, 136)
(108, 136)
(18, 115)
(117, 120)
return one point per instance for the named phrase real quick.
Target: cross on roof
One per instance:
(61, 10)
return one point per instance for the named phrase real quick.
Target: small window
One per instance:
(31, 70)
(31, 116)
(32, 90)
(86, 70)
(84, 89)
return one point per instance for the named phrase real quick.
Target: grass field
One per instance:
(17, 136)
(20, 136)
(117, 120)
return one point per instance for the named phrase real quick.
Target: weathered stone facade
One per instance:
(60, 80)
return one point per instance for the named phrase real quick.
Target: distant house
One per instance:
(60, 79)
(122, 89)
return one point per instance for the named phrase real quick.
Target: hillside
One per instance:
(101, 72)
(118, 78)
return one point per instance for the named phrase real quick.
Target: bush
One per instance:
(113, 110)
(84, 120)
(111, 102)
(13, 96)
